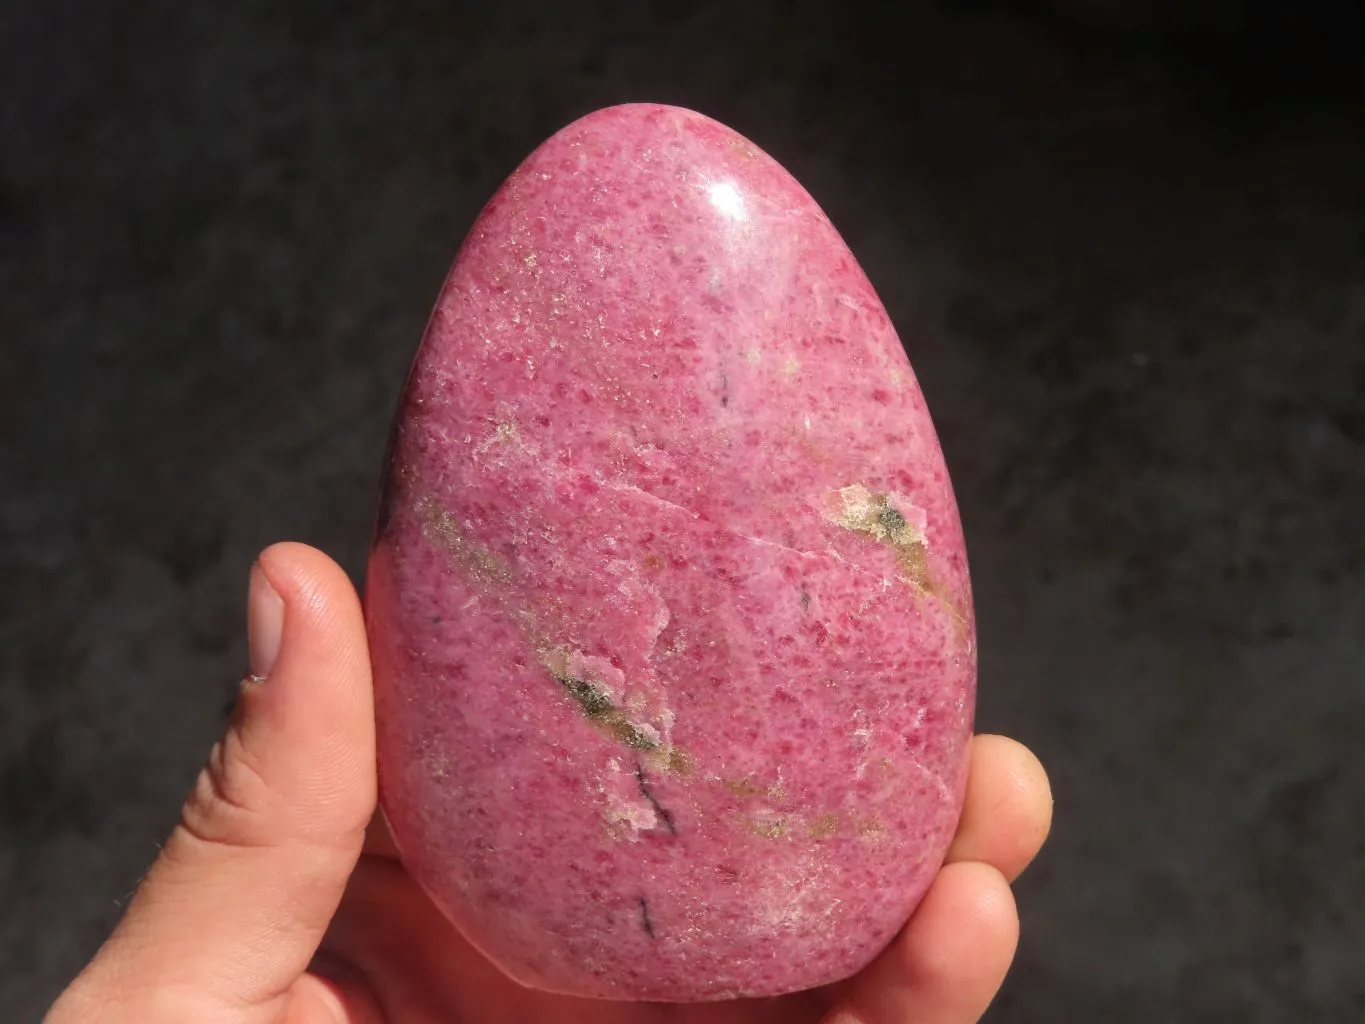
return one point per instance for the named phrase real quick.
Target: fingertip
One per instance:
(1032, 790)
(324, 649)
(339, 990)
(317, 708)
(965, 932)
(312, 1000)
(311, 583)
(949, 962)
(1007, 810)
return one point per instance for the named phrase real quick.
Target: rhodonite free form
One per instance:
(669, 607)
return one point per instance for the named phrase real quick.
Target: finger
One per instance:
(234, 908)
(1007, 811)
(948, 963)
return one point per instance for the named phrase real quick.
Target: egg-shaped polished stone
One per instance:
(669, 607)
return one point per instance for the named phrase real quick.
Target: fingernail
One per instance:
(264, 624)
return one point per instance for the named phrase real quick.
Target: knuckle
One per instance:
(232, 802)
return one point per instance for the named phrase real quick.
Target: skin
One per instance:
(278, 899)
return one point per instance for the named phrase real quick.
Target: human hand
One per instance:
(278, 898)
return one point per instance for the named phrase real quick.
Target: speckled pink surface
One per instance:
(669, 604)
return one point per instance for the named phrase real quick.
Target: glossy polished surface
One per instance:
(669, 602)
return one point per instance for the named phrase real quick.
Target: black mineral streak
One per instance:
(648, 793)
(645, 919)
(598, 708)
(595, 704)
(889, 518)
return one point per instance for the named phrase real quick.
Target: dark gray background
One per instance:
(1125, 248)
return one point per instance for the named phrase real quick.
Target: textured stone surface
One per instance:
(669, 603)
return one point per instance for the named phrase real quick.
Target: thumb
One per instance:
(232, 911)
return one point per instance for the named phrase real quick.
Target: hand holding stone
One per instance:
(226, 927)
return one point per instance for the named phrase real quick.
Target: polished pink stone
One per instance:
(669, 605)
